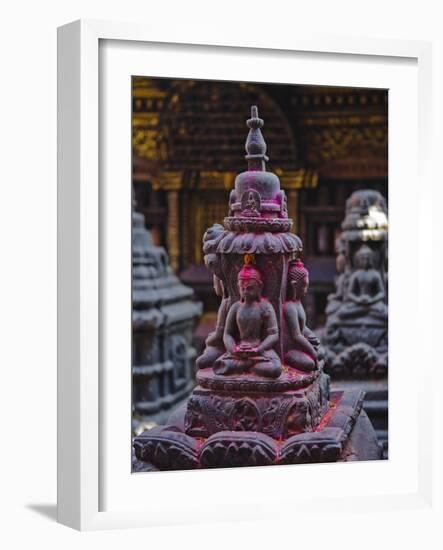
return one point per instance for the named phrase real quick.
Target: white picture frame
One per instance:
(93, 211)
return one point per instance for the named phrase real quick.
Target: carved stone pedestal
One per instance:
(342, 434)
(292, 404)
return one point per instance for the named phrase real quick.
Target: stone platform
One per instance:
(343, 434)
(375, 404)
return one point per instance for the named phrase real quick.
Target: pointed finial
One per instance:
(255, 143)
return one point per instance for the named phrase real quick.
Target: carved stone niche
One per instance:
(262, 397)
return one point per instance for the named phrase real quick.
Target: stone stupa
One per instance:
(164, 312)
(262, 396)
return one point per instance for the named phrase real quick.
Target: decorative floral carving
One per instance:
(245, 416)
(276, 414)
(252, 225)
(229, 449)
(167, 448)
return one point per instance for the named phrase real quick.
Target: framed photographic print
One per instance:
(226, 326)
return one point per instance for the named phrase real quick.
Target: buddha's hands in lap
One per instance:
(313, 340)
(246, 350)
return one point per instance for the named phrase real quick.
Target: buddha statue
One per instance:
(300, 343)
(214, 342)
(251, 331)
(366, 292)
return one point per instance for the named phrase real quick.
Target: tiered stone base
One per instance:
(292, 404)
(249, 421)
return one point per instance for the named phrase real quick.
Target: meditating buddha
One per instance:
(366, 292)
(300, 343)
(251, 331)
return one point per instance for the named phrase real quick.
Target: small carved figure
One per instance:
(251, 331)
(251, 203)
(284, 204)
(301, 344)
(366, 293)
(214, 342)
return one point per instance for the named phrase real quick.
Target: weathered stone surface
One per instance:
(290, 379)
(227, 449)
(275, 413)
(163, 317)
(375, 404)
(167, 448)
(345, 434)
(362, 443)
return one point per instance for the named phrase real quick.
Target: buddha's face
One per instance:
(300, 288)
(250, 289)
(364, 260)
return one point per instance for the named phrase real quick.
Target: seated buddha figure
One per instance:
(251, 331)
(366, 293)
(214, 342)
(300, 343)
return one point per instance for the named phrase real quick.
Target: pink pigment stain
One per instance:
(333, 404)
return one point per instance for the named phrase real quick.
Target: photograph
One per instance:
(222, 251)
(259, 274)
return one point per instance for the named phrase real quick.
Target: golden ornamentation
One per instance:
(297, 179)
(249, 259)
(167, 181)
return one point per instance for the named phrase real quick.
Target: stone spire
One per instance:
(255, 143)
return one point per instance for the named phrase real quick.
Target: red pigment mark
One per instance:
(327, 417)
(248, 272)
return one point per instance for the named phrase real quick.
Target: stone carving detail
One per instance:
(322, 447)
(229, 449)
(273, 413)
(257, 224)
(301, 344)
(356, 332)
(251, 203)
(169, 448)
(166, 447)
(288, 380)
(262, 397)
(214, 345)
(251, 331)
